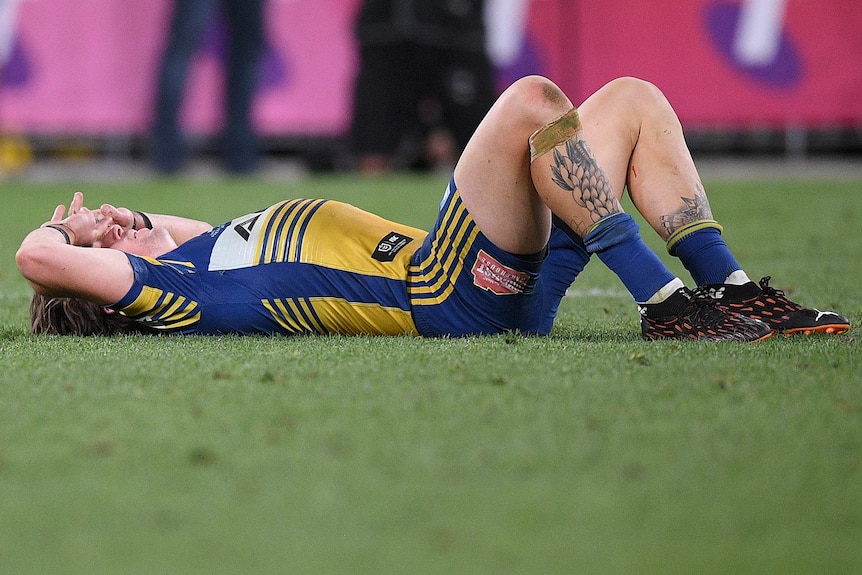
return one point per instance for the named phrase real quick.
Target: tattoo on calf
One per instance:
(692, 210)
(578, 173)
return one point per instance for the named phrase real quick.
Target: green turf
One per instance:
(590, 451)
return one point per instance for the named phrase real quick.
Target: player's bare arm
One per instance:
(181, 229)
(55, 258)
(58, 261)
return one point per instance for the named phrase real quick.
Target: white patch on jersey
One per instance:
(238, 246)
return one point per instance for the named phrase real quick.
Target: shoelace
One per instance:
(776, 294)
(702, 305)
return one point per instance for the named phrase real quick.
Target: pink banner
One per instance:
(89, 66)
(726, 63)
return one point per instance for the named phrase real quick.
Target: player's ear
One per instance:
(108, 310)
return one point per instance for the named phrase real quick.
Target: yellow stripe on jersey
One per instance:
(176, 263)
(158, 309)
(445, 270)
(431, 266)
(345, 237)
(189, 266)
(284, 225)
(433, 277)
(146, 301)
(275, 221)
(190, 320)
(285, 319)
(304, 308)
(307, 209)
(295, 315)
(342, 316)
(324, 315)
(262, 238)
(175, 304)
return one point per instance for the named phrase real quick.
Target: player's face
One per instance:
(150, 243)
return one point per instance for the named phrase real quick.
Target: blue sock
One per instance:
(705, 255)
(567, 257)
(616, 240)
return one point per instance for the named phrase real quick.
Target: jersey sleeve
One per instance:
(156, 297)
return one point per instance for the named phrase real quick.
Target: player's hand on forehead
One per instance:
(124, 217)
(75, 207)
(89, 226)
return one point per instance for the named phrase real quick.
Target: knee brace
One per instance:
(555, 133)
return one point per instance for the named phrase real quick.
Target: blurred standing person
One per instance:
(421, 61)
(245, 43)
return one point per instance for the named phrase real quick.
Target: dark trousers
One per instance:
(245, 44)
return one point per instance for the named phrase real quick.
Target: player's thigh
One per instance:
(493, 173)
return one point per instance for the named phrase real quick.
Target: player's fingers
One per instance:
(120, 216)
(109, 211)
(103, 225)
(77, 203)
(100, 229)
(59, 211)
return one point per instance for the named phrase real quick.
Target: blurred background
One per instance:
(79, 81)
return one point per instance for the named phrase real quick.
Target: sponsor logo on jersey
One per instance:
(491, 275)
(389, 246)
(244, 227)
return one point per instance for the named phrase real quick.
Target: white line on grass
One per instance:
(596, 292)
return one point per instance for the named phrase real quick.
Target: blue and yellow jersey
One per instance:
(324, 267)
(298, 267)
(462, 284)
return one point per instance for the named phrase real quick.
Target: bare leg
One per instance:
(636, 137)
(493, 173)
(568, 177)
(530, 156)
(573, 184)
(500, 190)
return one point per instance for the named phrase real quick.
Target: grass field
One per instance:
(590, 451)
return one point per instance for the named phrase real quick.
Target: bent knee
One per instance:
(634, 90)
(536, 99)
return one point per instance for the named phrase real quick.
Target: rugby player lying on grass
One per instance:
(535, 193)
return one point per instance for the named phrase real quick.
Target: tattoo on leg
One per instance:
(692, 210)
(578, 173)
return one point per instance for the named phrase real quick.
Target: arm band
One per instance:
(62, 229)
(147, 222)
